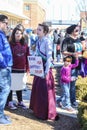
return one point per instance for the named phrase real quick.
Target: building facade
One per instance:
(35, 10)
(83, 20)
(27, 12)
(14, 11)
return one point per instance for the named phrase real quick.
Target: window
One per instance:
(27, 7)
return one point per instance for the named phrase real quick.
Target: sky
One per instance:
(62, 10)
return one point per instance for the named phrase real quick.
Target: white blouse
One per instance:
(44, 45)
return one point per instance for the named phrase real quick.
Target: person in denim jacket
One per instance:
(5, 68)
(42, 101)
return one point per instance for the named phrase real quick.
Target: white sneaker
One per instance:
(70, 109)
(22, 105)
(11, 106)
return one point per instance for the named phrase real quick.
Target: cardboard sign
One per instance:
(36, 66)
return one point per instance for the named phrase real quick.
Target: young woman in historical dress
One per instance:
(42, 100)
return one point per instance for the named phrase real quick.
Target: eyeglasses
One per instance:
(5, 22)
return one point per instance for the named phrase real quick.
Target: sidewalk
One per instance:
(24, 119)
(26, 98)
(27, 93)
(65, 112)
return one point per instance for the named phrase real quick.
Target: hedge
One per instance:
(81, 93)
(81, 89)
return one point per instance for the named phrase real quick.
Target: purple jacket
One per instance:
(66, 72)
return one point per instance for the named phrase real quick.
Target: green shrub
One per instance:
(81, 93)
(84, 117)
(84, 126)
(82, 114)
(81, 89)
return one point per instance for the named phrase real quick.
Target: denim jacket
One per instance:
(5, 52)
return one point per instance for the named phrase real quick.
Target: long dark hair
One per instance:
(12, 40)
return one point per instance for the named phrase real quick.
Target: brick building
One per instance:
(83, 19)
(14, 11)
(35, 11)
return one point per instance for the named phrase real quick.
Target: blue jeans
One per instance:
(72, 87)
(5, 84)
(54, 50)
(58, 57)
(65, 96)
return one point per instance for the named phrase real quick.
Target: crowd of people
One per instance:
(50, 46)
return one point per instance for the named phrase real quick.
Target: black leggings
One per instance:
(18, 93)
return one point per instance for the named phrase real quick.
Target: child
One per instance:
(64, 100)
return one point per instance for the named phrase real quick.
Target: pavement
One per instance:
(27, 94)
(58, 64)
(26, 99)
(60, 110)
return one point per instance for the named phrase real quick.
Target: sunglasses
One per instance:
(5, 22)
(76, 30)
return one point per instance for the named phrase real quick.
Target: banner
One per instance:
(36, 66)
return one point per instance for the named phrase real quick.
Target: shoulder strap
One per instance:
(41, 53)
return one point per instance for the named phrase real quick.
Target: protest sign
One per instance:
(36, 66)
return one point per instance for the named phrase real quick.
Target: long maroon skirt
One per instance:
(42, 100)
